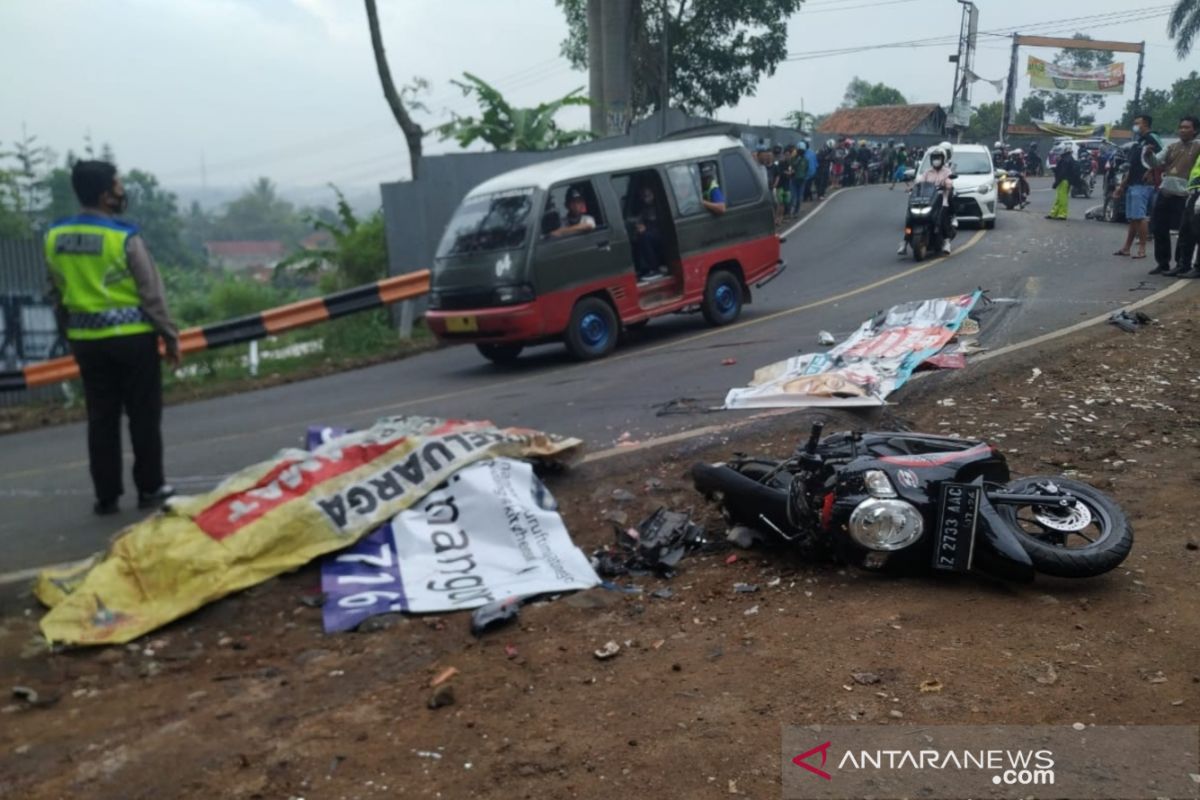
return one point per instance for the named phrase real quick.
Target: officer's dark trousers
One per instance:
(1165, 217)
(122, 373)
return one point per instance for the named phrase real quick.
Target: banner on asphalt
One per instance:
(1058, 78)
(491, 532)
(876, 360)
(266, 520)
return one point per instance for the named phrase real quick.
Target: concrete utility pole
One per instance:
(610, 64)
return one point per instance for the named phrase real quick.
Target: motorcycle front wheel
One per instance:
(1090, 538)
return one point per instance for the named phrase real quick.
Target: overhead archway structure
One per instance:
(1010, 96)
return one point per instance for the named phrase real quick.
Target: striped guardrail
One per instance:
(245, 329)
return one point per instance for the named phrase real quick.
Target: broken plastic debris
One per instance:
(745, 588)
(655, 547)
(609, 650)
(494, 615)
(442, 677)
(1037, 373)
(931, 686)
(728, 362)
(825, 338)
(1130, 321)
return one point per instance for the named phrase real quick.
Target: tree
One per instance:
(718, 49)
(801, 121)
(358, 253)
(259, 214)
(13, 223)
(860, 93)
(156, 212)
(1033, 108)
(507, 128)
(985, 123)
(1071, 109)
(413, 133)
(1184, 25)
(1166, 107)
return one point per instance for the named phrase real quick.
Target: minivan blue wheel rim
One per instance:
(725, 298)
(593, 330)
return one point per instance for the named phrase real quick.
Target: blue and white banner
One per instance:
(492, 531)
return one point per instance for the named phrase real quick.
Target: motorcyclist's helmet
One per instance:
(937, 157)
(998, 146)
(831, 144)
(801, 145)
(948, 149)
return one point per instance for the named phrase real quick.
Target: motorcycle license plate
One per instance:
(954, 547)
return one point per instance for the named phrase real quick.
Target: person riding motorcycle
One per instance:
(1016, 165)
(938, 174)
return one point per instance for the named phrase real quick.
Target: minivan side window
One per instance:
(557, 215)
(741, 185)
(685, 184)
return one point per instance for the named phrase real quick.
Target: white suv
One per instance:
(975, 184)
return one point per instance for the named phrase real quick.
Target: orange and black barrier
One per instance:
(244, 329)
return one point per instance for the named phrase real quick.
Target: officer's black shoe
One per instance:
(156, 499)
(105, 508)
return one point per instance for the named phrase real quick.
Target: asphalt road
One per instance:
(843, 269)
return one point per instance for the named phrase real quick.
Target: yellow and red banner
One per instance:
(269, 519)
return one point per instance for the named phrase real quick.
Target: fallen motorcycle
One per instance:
(911, 501)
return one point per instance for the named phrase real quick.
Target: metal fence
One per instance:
(28, 332)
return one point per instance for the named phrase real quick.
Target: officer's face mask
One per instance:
(117, 203)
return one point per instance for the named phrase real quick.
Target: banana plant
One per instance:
(506, 127)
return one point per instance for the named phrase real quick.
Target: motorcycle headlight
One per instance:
(879, 524)
(878, 483)
(921, 210)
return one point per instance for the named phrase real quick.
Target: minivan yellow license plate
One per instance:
(462, 324)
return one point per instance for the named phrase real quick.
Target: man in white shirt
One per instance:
(578, 220)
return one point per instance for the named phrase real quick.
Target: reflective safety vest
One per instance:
(1194, 178)
(709, 191)
(86, 254)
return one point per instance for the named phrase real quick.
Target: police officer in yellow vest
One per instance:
(110, 302)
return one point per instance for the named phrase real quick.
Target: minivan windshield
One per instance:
(488, 222)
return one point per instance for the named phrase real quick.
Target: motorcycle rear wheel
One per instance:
(1052, 539)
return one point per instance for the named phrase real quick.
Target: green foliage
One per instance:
(1167, 107)
(156, 213)
(358, 254)
(1072, 109)
(985, 123)
(505, 127)
(13, 223)
(259, 214)
(719, 49)
(801, 121)
(1184, 25)
(860, 93)
(1033, 108)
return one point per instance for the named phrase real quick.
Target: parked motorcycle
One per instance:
(917, 502)
(923, 223)
(1114, 207)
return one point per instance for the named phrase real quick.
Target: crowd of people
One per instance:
(799, 173)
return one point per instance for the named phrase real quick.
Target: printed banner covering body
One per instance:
(1058, 78)
(863, 370)
(493, 531)
(268, 519)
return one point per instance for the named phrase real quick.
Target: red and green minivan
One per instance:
(580, 248)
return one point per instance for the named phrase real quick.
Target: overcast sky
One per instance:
(288, 88)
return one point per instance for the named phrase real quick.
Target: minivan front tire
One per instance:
(505, 353)
(722, 298)
(593, 330)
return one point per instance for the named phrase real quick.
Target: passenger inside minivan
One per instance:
(578, 219)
